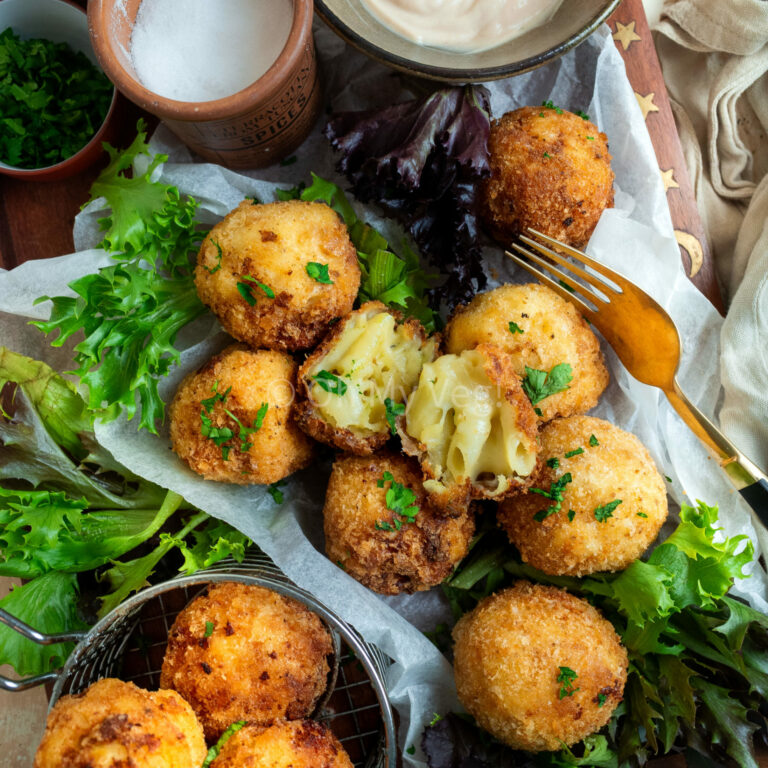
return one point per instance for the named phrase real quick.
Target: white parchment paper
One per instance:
(635, 238)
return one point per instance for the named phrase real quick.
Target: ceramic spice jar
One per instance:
(254, 127)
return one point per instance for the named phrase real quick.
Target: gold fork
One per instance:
(645, 339)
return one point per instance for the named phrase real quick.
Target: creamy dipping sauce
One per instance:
(462, 25)
(201, 50)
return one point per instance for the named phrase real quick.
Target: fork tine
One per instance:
(594, 282)
(564, 279)
(585, 310)
(614, 277)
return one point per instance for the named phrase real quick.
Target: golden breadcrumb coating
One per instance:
(418, 555)
(512, 648)
(549, 171)
(553, 332)
(292, 744)
(273, 244)
(472, 428)
(377, 356)
(115, 724)
(252, 379)
(573, 541)
(243, 652)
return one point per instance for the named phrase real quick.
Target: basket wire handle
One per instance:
(40, 638)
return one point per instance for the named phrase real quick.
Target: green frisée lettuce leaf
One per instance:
(48, 604)
(698, 675)
(397, 281)
(130, 313)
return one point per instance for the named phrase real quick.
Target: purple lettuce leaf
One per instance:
(422, 161)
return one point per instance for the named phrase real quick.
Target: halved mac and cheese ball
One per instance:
(232, 420)
(381, 528)
(359, 376)
(538, 667)
(472, 427)
(605, 502)
(277, 275)
(538, 330)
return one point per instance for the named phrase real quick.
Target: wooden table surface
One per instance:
(36, 222)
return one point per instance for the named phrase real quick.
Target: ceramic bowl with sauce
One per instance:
(572, 22)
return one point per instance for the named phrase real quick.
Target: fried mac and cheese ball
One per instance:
(115, 724)
(233, 421)
(243, 652)
(612, 501)
(538, 667)
(372, 356)
(291, 744)
(538, 329)
(262, 271)
(381, 528)
(551, 171)
(471, 427)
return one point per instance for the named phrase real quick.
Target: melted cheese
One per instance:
(376, 358)
(467, 426)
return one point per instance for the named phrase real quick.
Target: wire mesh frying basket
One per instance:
(129, 643)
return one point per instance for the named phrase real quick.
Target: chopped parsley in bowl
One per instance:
(53, 100)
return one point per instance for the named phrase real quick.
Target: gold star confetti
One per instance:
(625, 34)
(646, 104)
(668, 177)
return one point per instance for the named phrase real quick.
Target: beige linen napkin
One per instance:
(714, 54)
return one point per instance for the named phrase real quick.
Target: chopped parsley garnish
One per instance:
(605, 511)
(319, 272)
(399, 500)
(275, 492)
(330, 382)
(52, 101)
(219, 435)
(549, 105)
(538, 412)
(574, 452)
(435, 719)
(393, 410)
(214, 751)
(571, 515)
(553, 463)
(555, 492)
(540, 384)
(515, 328)
(246, 432)
(668, 478)
(593, 441)
(208, 629)
(219, 254)
(582, 115)
(566, 678)
(246, 291)
(209, 402)
(254, 200)
(601, 697)
(567, 287)
(547, 155)
(590, 138)
(411, 750)
(641, 514)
